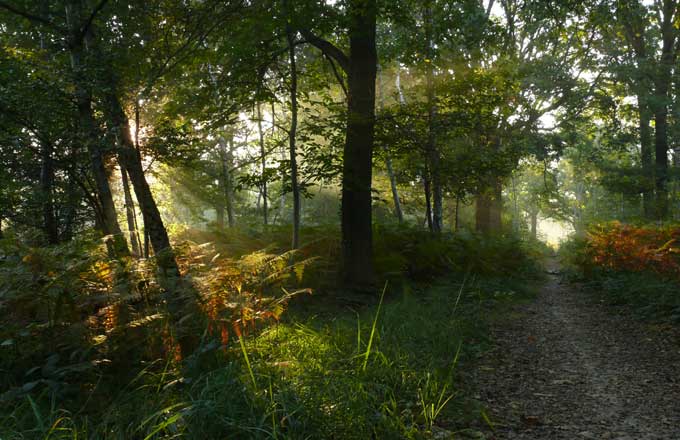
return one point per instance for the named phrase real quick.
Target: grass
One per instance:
(645, 295)
(312, 376)
(335, 365)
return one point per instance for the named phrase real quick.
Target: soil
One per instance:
(567, 366)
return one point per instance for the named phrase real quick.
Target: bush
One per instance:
(635, 266)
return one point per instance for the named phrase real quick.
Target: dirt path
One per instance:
(566, 368)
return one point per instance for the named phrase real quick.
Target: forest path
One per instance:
(565, 367)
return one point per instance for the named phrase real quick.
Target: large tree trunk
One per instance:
(432, 149)
(47, 194)
(291, 137)
(357, 234)
(534, 224)
(662, 82)
(488, 208)
(219, 206)
(357, 167)
(91, 135)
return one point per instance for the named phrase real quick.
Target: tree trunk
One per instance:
(496, 211)
(90, 134)
(661, 162)
(47, 194)
(226, 184)
(130, 159)
(393, 186)
(219, 208)
(646, 158)
(662, 82)
(73, 200)
(488, 208)
(388, 159)
(482, 208)
(131, 214)
(356, 210)
(291, 137)
(427, 188)
(534, 224)
(263, 165)
(147, 244)
(432, 149)
(357, 234)
(456, 225)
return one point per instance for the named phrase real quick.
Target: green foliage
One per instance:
(645, 293)
(107, 365)
(412, 253)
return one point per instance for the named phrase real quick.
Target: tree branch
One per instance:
(337, 74)
(26, 14)
(328, 48)
(86, 26)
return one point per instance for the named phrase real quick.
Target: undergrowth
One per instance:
(635, 267)
(90, 346)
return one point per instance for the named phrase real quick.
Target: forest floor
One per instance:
(565, 366)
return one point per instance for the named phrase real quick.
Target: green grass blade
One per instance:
(375, 323)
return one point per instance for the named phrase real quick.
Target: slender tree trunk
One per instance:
(291, 137)
(534, 224)
(71, 211)
(229, 187)
(147, 244)
(432, 149)
(661, 162)
(357, 234)
(90, 134)
(130, 159)
(263, 165)
(130, 214)
(388, 159)
(47, 194)
(393, 186)
(646, 158)
(456, 224)
(515, 205)
(427, 189)
(226, 186)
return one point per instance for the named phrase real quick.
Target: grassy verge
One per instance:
(646, 294)
(381, 367)
(319, 376)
